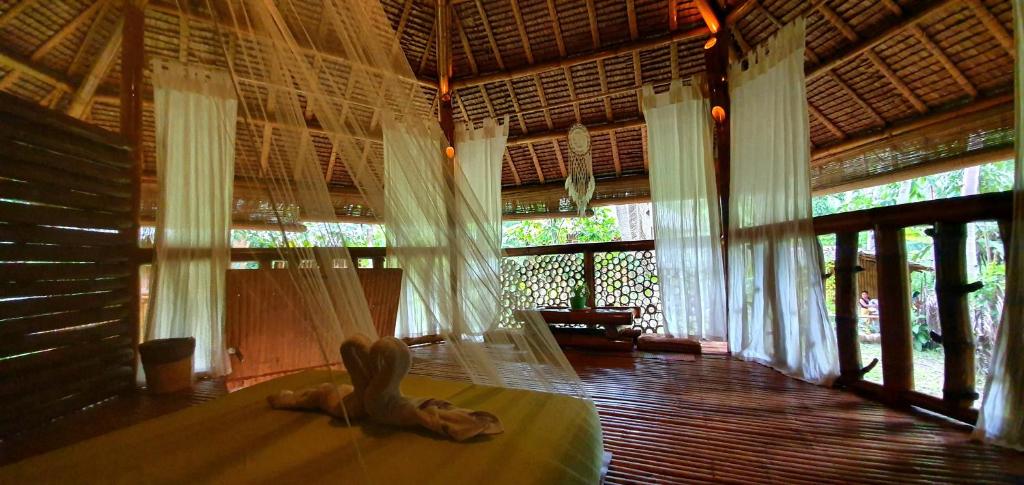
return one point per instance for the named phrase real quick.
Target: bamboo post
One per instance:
(954, 316)
(132, 62)
(846, 306)
(590, 278)
(894, 311)
(716, 60)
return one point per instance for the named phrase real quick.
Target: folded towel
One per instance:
(376, 372)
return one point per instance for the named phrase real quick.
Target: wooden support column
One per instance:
(716, 60)
(846, 270)
(954, 314)
(132, 62)
(894, 312)
(447, 121)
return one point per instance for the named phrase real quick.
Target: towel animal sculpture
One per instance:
(376, 372)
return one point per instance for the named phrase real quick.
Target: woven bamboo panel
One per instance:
(66, 285)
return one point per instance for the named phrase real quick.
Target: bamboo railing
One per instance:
(948, 218)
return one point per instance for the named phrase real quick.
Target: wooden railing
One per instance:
(948, 218)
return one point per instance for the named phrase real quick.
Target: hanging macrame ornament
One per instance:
(580, 181)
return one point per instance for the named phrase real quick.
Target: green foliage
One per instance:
(316, 235)
(921, 335)
(600, 227)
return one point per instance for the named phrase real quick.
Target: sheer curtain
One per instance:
(420, 247)
(1001, 419)
(478, 158)
(777, 313)
(685, 206)
(195, 111)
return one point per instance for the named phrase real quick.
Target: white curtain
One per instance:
(478, 157)
(417, 200)
(777, 313)
(684, 200)
(195, 113)
(1001, 419)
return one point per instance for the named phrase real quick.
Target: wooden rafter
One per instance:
(768, 15)
(490, 37)
(567, 72)
(183, 36)
(512, 168)
(515, 105)
(604, 89)
(95, 30)
(994, 26)
(943, 59)
(487, 101)
(595, 34)
(404, 19)
(638, 80)
(556, 28)
(16, 62)
(426, 52)
(825, 121)
(857, 99)
(543, 100)
(673, 52)
(266, 141)
(561, 160)
(893, 6)
(536, 163)
(464, 40)
(83, 96)
(462, 107)
(897, 83)
(833, 18)
(870, 43)
(58, 37)
(673, 15)
(741, 42)
(643, 146)
(631, 16)
(615, 154)
(329, 174)
(525, 39)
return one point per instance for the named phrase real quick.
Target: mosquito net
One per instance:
(322, 87)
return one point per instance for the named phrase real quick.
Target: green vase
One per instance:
(578, 302)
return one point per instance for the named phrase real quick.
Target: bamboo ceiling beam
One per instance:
(863, 46)
(525, 39)
(512, 167)
(567, 72)
(560, 134)
(183, 36)
(490, 39)
(825, 121)
(833, 18)
(402, 21)
(994, 26)
(994, 103)
(615, 154)
(16, 62)
(104, 62)
(631, 18)
(462, 107)
(515, 105)
(536, 163)
(556, 29)
(893, 6)
(58, 37)
(543, 101)
(426, 52)
(95, 30)
(898, 83)
(602, 76)
(673, 15)
(943, 59)
(172, 9)
(541, 67)
(464, 40)
(638, 81)
(560, 158)
(857, 99)
(595, 34)
(487, 101)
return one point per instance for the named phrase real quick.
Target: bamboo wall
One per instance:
(67, 239)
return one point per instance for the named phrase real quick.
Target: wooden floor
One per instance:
(670, 418)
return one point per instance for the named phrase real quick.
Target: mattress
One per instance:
(548, 438)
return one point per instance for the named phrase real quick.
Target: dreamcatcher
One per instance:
(580, 181)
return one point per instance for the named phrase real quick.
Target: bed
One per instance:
(548, 438)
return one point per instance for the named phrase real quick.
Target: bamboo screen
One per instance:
(67, 275)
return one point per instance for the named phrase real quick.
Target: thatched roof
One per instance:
(894, 86)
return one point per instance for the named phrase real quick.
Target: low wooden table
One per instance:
(614, 320)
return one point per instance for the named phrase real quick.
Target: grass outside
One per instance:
(928, 369)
